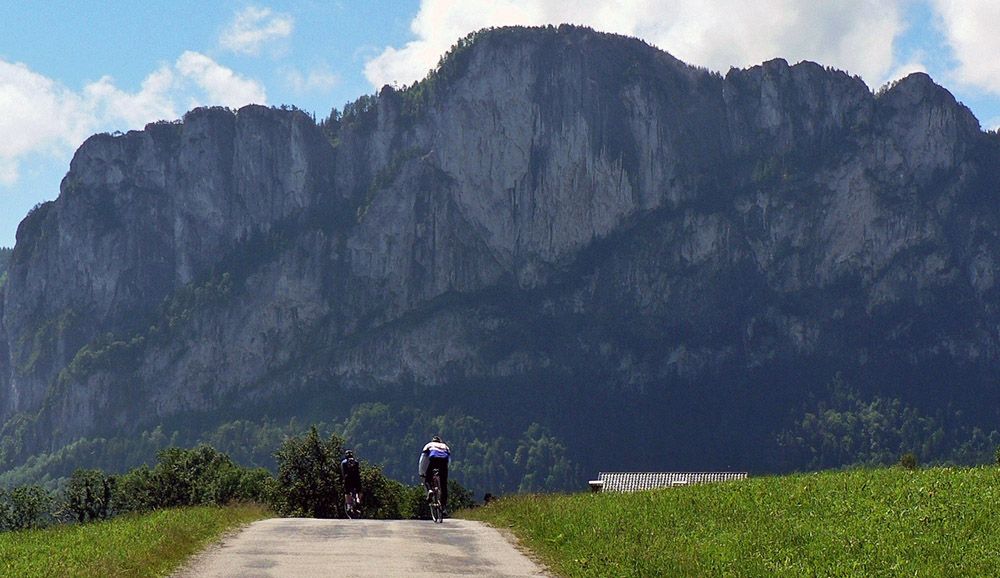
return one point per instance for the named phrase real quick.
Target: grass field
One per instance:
(885, 522)
(135, 545)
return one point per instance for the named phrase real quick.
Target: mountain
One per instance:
(657, 265)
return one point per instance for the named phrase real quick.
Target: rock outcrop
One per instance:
(552, 202)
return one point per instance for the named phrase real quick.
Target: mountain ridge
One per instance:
(550, 205)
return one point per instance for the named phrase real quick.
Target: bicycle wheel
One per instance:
(359, 511)
(437, 512)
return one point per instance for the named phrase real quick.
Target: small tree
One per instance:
(256, 485)
(308, 476)
(89, 494)
(135, 491)
(384, 498)
(909, 461)
(201, 475)
(186, 477)
(25, 507)
(459, 498)
(996, 455)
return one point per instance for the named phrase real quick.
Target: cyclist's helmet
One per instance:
(436, 439)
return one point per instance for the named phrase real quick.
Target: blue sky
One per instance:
(72, 68)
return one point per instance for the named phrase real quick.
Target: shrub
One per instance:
(384, 498)
(417, 500)
(308, 476)
(89, 494)
(909, 461)
(996, 455)
(189, 477)
(459, 498)
(135, 491)
(256, 485)
(25, 507)
(186, 477)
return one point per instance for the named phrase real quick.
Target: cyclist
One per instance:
(436, 454)
(350, 472)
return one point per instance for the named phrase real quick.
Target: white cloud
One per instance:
(220, 84)
(42, 116)
(152, 102)
(254, 27)
(8, 171)
(854, 35)
(316, 80)
(39, 115)
(438, 24)
(970, 28)
(914, 64)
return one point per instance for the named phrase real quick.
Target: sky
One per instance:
(72, 68)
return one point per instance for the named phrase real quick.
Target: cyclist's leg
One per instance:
(444, 486)
(441, 465)
(349, 498)
(427, 482)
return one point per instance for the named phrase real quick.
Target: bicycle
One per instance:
(434, 498)
(352, 505)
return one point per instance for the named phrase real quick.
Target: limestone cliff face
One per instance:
(140, 216)
(549, 201)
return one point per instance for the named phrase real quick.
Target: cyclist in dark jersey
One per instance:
(350, 472)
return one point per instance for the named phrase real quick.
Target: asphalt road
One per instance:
(303, 547)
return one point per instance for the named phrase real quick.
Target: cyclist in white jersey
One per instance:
(436, 454)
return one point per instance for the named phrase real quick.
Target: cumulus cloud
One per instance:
(254, 27)
(39, 115)
(220, 84)
(316, 80)
(42, 116)
(854, 35)
(915, 64)
(152, 101)
(970, 30)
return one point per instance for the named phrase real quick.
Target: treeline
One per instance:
(385, 434)
(308, 484)
(842, 428)
(5, 254)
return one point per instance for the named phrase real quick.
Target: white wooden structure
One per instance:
(637, 481)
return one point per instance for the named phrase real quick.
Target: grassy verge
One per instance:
(887, 522)
(136, 545)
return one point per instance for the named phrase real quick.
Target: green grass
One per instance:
(136, 545)
(886, 522)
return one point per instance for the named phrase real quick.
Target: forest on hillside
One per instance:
(838, 428)
(5, 254)
(388, 436)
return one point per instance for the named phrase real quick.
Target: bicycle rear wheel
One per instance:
(437, 512)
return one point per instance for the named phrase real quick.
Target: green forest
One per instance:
(5, 254)
(842, 427)
(836, 428)
(306, 482)
(387, 436)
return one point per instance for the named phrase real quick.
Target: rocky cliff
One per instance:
(555, 211)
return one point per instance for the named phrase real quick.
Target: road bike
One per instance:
(352, 505)
(434, 497)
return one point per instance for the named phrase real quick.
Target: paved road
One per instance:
(302, 547)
